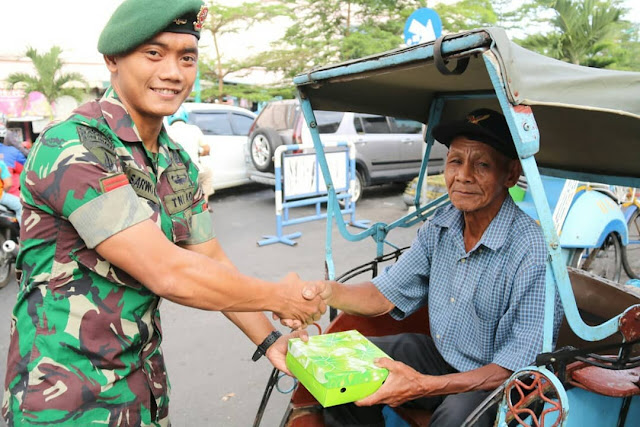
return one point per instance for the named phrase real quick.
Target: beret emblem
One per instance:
(476, 119)
(202, 15)
(180, 21)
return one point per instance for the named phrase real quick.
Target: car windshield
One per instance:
(211, 123)
(328, 121)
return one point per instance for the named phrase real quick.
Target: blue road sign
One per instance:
(423, 25)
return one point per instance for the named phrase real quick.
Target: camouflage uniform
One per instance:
(85, 336)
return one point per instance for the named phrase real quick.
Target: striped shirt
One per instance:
(485, 305)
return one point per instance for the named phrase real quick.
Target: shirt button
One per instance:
(438, 336)
(463, 260)
(452, 299)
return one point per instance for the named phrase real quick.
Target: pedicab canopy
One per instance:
(588, 118)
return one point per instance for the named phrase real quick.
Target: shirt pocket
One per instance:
(488, 301)
(181, 227)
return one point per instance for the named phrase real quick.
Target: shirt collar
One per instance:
(494, 236)
(120, 121)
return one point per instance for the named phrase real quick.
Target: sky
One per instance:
(75, 26)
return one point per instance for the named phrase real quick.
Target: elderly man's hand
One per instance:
(402, 385)
(310, 291)
(303, 304)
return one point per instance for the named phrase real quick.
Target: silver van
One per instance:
(388, 149)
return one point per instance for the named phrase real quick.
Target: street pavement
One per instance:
(214, 382)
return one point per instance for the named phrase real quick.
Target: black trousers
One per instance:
(419, 352)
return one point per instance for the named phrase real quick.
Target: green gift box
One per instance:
(337, 368)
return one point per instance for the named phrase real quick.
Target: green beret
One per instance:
(136, 21)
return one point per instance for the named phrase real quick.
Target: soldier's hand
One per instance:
(303, 310)
(277, 353)
(310, 291)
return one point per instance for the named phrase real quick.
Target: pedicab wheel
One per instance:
(531, 397)
(605, 261)
(631, 252)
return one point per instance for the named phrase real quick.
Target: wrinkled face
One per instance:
(156, 77)
(477, 176)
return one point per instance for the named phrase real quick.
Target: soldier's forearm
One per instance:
(186, 277)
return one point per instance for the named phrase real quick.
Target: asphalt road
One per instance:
(214, 382)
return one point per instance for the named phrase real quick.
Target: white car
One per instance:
(225, 129)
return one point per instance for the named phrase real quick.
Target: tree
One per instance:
(49, 78)
(231, 19)
(583, 31)
(328, 31)
(467, 15)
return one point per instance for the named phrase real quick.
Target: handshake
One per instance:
(303, 302)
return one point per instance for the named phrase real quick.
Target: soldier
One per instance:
(114, 220)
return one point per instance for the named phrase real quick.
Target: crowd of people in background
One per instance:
(13, 155)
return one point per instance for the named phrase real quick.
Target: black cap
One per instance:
(482, 125)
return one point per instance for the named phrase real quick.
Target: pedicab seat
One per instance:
(622, 383)
(591, 292)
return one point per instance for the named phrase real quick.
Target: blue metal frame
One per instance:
(282, 217)
(526, 138)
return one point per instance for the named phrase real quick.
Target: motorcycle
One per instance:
(9, 238)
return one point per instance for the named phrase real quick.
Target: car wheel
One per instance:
(357, 190)
(262, 147)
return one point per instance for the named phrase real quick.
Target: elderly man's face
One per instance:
(477, 176)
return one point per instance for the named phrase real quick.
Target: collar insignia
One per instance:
(476, 119)
(202, 15)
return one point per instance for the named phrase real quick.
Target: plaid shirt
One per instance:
(485, 305)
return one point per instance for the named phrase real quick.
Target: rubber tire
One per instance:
(611, 241)
(5, 269)
(634, 227)
(268, 140)
(358, 190)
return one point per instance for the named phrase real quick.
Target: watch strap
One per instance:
(264, 345)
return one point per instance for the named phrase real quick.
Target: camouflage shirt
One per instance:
(85, 336)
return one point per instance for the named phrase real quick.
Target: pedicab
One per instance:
(567, 121)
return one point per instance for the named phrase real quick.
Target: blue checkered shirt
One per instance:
(485, 305)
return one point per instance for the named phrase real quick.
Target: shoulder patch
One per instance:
(99, 145)
(112, 182)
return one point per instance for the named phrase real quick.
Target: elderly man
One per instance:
(479, 265)
(114, 222)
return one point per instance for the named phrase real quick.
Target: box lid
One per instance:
(340, 359)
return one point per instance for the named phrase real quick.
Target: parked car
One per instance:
(388, 149)
(225, 130)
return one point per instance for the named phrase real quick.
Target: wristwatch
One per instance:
(262, 348)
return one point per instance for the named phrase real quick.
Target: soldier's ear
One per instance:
(110, 61)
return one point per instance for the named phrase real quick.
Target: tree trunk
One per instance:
(219, 68)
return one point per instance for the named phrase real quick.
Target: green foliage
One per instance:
(329, 31)
(466, 15)
(228, 20)
(586, 32)
(49, 78)
(626, 47)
